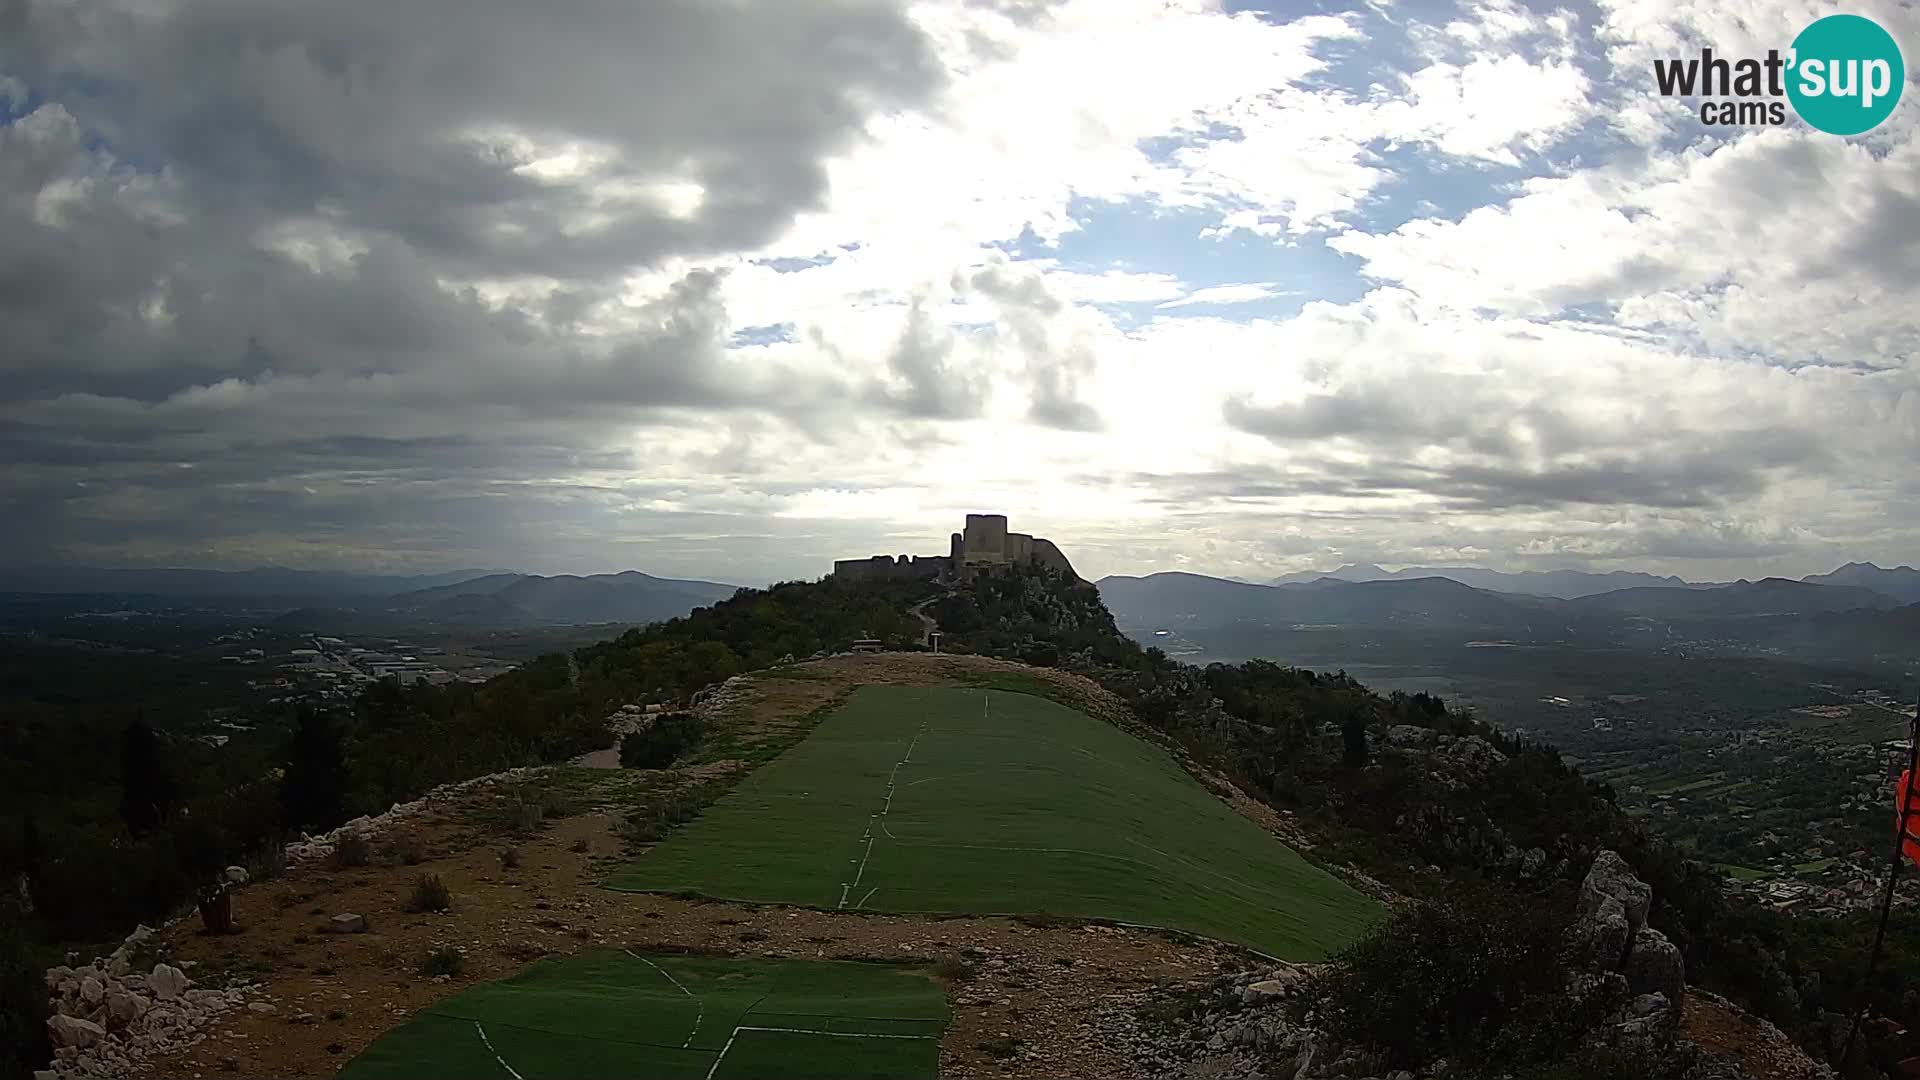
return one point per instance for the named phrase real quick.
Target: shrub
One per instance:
(510, 859)
(669, 738)
(351, 849)
(429, 894)
(527, 817)
(580, 846)
(954, 969)
(269, 862)
(444, 960)
(409, 850)
(1473, 975)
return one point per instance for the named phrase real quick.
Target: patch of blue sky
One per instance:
(791, 265)
(1144, 238)
(767, 334)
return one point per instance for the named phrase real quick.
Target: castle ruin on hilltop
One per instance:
(985, 547)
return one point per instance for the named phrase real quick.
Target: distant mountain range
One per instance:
(307, 598)
(1174, 600)
(264, 583)
(527, 599)
(1565, 584)
(1902, 582)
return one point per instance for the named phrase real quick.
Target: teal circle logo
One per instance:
(1845, 75)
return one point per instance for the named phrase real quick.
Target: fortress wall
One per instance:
(1045, 553)
(986, 538)
(887, 568)
(1019, 547)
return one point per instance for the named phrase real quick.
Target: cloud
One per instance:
(1227, 294)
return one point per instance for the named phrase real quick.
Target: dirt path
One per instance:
(1759, 1048)
(1027, 1004)
(928, 627)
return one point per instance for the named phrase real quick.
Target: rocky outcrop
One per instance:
(1614, 943)
(1612, 878)
(310, 847)
(108, 1018)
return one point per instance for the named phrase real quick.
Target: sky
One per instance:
(728, 289)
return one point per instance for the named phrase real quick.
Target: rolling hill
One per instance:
(1771, 596)
(1563, 584)
(1901, 582)
(526, 599)
(260, 584)
(1438, 603)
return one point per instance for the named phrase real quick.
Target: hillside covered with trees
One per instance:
(1404, 789)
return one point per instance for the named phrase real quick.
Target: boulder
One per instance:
(92, 990)
(347, 923)
(1473, 754)
(1611, 876)
(1601, 935)
(1265, 990)
(1655, 966)
(124, 1008)
(1532, 861)
(235, 875)
(167, 982)
(58, 975)
(73, 1031)
(1409, 735)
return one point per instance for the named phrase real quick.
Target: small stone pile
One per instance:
(716, 702)
(108, 1019)
(310, 847)
(1248, 1029)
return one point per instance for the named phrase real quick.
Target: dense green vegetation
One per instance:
(611, 1012)
(982, 801)
(1278, 730)
(99, 849)
(1478, 976)
(663, 742)
(93, 862)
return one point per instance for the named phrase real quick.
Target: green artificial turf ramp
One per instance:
(611, 1013)
(990, 802)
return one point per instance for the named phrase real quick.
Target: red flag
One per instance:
(1909, 792)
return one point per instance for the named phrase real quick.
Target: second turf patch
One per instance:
(990, 802)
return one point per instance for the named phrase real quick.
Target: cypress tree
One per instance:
(314, 789)
(147, 794)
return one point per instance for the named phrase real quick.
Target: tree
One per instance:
(147, 794)
(1353, 733)
(313, 790)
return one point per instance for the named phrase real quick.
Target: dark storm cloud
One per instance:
(404, 116)
(232, 232)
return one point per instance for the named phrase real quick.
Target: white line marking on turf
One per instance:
(715, 1067)
(846, 887)
(869, 896)
(834, 1034)
(496, 1053)
(700, 1006)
